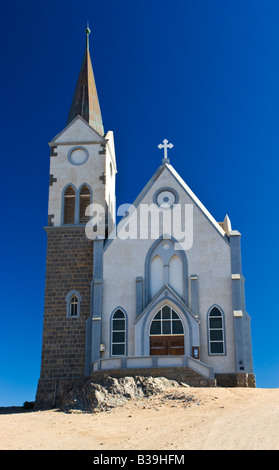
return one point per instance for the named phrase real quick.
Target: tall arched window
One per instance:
(166, 265)
(84, 201)
(156, 275)
(73, 300)
(176, 274)
(216, 331)
(118, 334)
(69, 205)
(74, 306)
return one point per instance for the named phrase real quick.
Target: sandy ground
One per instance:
(213, 419)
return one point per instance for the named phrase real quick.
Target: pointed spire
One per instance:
(85, 102)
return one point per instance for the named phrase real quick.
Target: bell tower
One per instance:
(82, 172)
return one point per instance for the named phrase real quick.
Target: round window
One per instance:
(78, 155)
(166, 199)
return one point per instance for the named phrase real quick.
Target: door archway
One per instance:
(166, 333)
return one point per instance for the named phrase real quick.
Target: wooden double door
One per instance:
(163, 345)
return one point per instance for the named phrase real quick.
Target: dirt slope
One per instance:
(178, 419)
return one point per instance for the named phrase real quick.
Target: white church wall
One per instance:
(208, 258)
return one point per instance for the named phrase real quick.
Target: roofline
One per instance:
(189, 192)
(102, 139)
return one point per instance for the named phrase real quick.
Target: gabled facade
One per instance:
(136, 298)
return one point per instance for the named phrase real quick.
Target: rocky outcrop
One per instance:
(111, 392)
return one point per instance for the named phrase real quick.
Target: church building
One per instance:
(160, 293)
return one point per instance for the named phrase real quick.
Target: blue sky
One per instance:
(205, 75)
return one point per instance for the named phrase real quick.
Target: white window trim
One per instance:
(161, 320)
(219, 329)
(68, 302)
(119, 331)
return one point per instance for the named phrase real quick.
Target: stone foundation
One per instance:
(240, 379)
(51, 390)
(180, 374)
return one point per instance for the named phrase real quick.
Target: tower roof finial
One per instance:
(85, 102)
(88, 31)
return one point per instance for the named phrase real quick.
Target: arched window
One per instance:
(74, 306)
(69, 205)
(73, 300)
(166, 333)
(118, 332)
(176, 274)
(156, 275)
(166, 322)
(84, 201)
(166, 265)
(216, 331)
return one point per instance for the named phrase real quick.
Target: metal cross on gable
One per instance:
(165, 145)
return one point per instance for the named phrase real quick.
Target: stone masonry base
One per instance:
(181, 374)
(51, 391)
(240, 379)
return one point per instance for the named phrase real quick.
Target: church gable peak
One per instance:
(164, 185)
(78, 130)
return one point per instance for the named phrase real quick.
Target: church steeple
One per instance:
(85, 101)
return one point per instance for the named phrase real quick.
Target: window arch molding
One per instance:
(63, 205)
(68, 299)
(118, 314)
(78, 208)
(77, 201)
(216, 331)
(153, 250)
(189, 321)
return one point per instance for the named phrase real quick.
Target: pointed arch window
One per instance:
(74, 306)
(166, 333)
(69, 205)
(176, 274)
(216, 331)
(156, 275)
(167, 265)
(73, 300)
(166, 322)
(118, 332)
(84, 201)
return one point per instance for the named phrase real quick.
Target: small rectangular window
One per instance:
(118, 325)
(118, 349)
(215, 322)
(166, 327)
(216, 348)
(118, 337)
